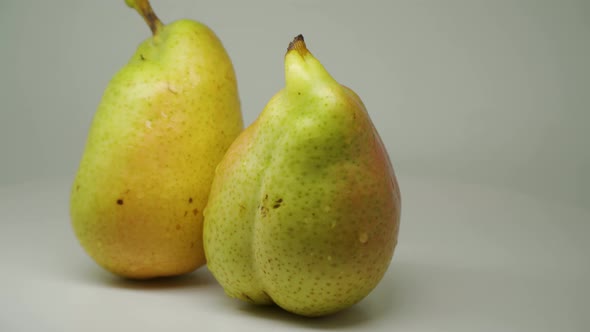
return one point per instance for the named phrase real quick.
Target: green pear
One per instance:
(164, 122)
(304, 209)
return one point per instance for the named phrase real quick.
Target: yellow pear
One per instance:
(304, 209)
(164, 122)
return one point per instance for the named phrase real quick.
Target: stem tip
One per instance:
(298, 44)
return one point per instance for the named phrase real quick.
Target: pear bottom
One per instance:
(138, 233)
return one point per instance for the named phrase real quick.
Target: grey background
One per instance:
(490, 92)
(484, 107)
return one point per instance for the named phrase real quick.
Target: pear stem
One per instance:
(298, 44)
(144, 9)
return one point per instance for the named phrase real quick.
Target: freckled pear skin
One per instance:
(164, 122)
(304, 209)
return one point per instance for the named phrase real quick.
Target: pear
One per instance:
(164, 122)
(304, 209)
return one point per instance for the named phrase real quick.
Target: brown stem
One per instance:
(144, 9)
(298, 44)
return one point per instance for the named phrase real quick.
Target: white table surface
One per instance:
(470, 258)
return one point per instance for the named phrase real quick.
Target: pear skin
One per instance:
(304, 210)
(164, 122)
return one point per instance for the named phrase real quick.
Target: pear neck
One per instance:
(303, 72)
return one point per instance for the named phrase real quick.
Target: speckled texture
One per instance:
(304, 210)
(164, 123)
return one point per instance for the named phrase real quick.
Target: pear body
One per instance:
(304, 209)
(163, 124)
